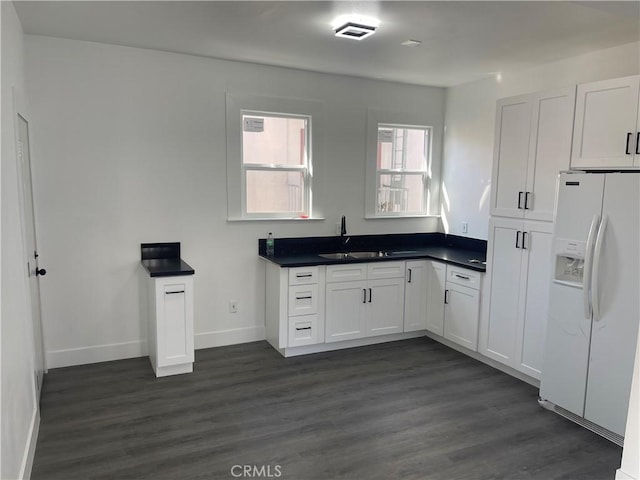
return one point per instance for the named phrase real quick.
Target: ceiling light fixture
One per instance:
(354, 27)
(411, 43)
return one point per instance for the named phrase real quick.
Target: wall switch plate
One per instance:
(465, 227)
(233, 306)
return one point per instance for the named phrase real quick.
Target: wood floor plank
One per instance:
(412, 409)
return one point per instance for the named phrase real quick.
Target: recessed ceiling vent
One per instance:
(355, 31)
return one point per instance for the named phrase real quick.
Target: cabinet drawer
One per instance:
(303, 330)
(464, 277)
(303, 275)
(346, 273)
(377, 270)
(303, 300)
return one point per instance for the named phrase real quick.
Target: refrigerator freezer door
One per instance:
(614, 334)
(564, 370)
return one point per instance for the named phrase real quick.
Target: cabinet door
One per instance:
(511, 151)
(415, 295)
(604, 133)
(461, 315)
(549, 150)
(503, 271)
(174, 322)
(534, 298)
(385, 306)
(345, 310)
(437, 273)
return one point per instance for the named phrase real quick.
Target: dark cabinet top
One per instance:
(163, 260)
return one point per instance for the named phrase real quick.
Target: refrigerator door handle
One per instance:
(588, 260)
(597, 256)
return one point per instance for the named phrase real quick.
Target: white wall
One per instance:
(129, 147)
(469, 126)
(19, 417)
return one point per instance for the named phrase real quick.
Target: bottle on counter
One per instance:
(271, 245)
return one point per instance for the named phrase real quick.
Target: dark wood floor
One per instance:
(412, 409)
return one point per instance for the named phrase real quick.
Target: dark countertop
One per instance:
(167, 267)
(456, 251)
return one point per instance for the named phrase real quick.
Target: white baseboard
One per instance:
(234, 336)
(620, 475)
(30, 448)
(96, 354)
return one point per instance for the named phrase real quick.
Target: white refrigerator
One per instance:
(594, 301)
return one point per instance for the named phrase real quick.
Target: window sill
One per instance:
(275, 219)
(387, 217)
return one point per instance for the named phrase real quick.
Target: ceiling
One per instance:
(461, 41)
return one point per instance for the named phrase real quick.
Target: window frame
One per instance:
(237, 105)
(262, 167)
(431, 117)
(424, 172)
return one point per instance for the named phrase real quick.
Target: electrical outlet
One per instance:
(233, 306)
(465, 227)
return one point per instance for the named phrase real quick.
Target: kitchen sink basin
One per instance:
(334, 256)
(352, 255)
(367, 254)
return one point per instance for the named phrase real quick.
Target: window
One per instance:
(274, 146)
(275, 164)
(402, 162)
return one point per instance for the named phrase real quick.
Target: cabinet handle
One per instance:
(462, 277)
(303, 275)
(520, 200)
(518, 238)
(303, 328)
(446, 296)
(172, 293)
(526, 200)
(409, 281)
(638, 144)
(304, 298)
(626, 150)
(524, 240)
(364, 295)
(370, 295)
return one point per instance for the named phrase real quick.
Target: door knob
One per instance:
(41, 272)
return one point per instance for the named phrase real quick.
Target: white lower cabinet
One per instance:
(369, 302)
(170, 343)
(415, 295)
(453, 301)
(519, 269)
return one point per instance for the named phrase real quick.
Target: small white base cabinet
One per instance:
(454, 304)
(170, 339)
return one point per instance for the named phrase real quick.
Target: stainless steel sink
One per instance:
(334, 256)
(352, 255)
(367, 254)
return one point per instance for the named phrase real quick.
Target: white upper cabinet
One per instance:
(532, 144)
(607, 131)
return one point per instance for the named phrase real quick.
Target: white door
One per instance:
(385, 307)
(511, 150)
(504, 261)
(605, 125)
(415, 295)
(534, 297)
(345, 310)
(461, 315)
(549, 149)
(437, 273)
(616, 283)
(29, 226)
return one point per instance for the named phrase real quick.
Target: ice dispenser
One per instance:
(569, 262)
